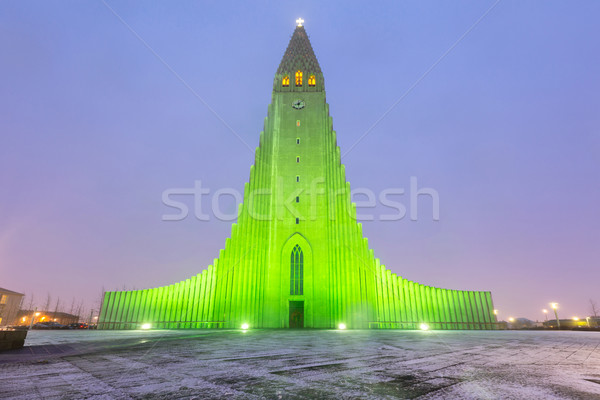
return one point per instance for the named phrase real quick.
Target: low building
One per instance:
(10, 303)
(24, 317)
(590, 322)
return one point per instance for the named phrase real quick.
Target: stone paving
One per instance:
(303, 364)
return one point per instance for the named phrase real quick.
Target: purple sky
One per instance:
(506, 128)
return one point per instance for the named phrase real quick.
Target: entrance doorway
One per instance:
(296, 314)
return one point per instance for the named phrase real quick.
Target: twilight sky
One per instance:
(93, 128)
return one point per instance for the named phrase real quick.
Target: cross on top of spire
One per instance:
(299, 22)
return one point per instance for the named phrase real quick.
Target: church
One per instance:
(297, 257)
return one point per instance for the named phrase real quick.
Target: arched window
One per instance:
(297, 271)
(312, 81)
(298, 78)
(285, 81)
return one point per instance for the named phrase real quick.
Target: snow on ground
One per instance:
(313, 364)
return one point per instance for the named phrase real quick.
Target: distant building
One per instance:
(24, 317)
(590, 322)
(522, 323)
(10, 303)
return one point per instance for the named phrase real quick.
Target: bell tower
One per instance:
(301, 144)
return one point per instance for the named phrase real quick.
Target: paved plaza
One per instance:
(303, 364)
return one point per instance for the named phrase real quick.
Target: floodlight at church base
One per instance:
(145, 326)
(342, 326)
(245, 327)
(424, 327)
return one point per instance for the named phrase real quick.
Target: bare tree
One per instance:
(100, 301)
(31, 303)
(79, 311)
(31, 309)
(48, 301)
(56, 308)
(72, 307)
(594, 308)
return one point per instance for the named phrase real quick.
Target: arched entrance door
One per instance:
(296, 258)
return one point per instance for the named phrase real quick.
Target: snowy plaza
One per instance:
(297, 364)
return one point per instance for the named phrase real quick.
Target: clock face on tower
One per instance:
(298, 104)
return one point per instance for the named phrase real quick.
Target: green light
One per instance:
(342, 326)
(424, 327)
(146, 326)
(245, 326)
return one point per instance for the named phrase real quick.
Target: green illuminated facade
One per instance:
(297, 257)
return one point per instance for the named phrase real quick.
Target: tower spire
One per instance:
(299, 54)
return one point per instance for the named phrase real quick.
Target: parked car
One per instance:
(77, 325)
(49, 325)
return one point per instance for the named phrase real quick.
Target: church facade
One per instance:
(297, 256)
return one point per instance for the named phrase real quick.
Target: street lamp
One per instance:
(510, 322)
(545, 314)
(555, 308)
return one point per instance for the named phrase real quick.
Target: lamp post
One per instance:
(555, 308)
(545, 314)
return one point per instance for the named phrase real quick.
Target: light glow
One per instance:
(245, 326)
(554, 305)
(495, 312)
(511, 319)
(342, 326)
(299, 22)
(145, 326)
(545, 311)
(424, 327)
(575, 318)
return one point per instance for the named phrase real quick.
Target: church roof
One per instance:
(299, 55)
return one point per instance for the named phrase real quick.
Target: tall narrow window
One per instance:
(297, 199)
(312, 81)
(298, 78)
(297, 178)
(285, 81)
(297, 159)
(297, 221)
(297, 140)
(298, 123)
(297, 271)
